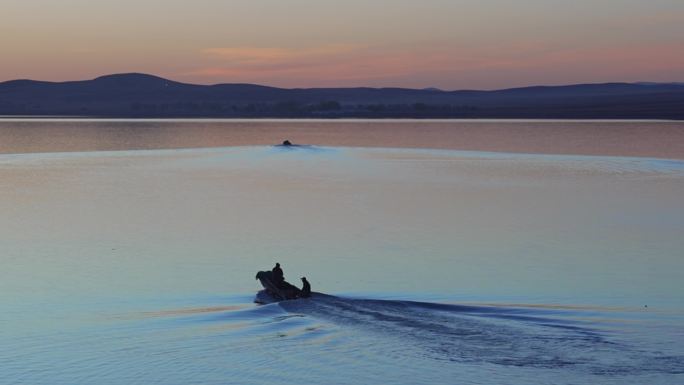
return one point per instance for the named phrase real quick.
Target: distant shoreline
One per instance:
(316, 119)
(136, 95)
(333, 119)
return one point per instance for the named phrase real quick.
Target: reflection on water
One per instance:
(138, 267)
(656, 139)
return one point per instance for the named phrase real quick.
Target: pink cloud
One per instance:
(334, 62)
(261, 55)
(446, 66)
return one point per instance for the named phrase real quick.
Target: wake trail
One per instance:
(488, 334)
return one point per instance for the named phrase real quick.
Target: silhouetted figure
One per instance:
(306, 289)
(278, 277)
(279, 290)
(287, 143)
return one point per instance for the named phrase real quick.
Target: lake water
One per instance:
(437, 266)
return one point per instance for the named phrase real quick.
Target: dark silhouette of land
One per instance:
(147, 96)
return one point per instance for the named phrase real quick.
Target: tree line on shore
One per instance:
(329, 108)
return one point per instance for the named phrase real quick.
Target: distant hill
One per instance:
(140, 95)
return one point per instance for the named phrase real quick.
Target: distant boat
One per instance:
(288, 144)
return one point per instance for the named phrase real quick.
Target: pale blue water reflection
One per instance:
(443, 266)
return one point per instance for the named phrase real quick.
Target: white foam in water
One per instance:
(438, 267)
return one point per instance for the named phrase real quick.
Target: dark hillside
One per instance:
(141, 95)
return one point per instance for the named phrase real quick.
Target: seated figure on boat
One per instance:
(306, 289)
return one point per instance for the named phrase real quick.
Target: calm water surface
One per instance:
(438, 266)
(657, 139)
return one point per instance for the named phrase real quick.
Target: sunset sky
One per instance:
(450, 44)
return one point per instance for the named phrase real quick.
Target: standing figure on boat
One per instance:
(278, 277)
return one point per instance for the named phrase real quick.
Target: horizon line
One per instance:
(431, 88)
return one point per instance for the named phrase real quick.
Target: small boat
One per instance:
(278, 291)
(286, 144)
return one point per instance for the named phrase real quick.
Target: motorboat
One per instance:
(275, 291)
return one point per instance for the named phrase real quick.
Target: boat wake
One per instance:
(420, 342)
(523, 337)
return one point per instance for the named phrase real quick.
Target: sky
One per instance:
(448, 44)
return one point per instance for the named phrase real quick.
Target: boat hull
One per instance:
(278, 291)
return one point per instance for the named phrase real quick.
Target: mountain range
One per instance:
(146, 96)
